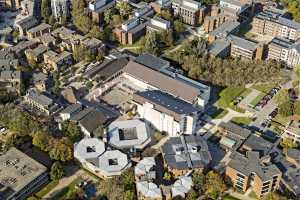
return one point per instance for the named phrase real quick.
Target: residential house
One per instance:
(56, 61)
(38, 30)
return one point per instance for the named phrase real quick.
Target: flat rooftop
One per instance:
(17, 170)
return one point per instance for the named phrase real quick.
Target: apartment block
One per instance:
(60, 8)
(130, 31)
(285, 51)
(251, 171)
(191, 12)
(97, 8)
(242, 48)
(55, 61)
(10, 81)
(274, 23)
(292, 132)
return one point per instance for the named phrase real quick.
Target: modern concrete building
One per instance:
(97, 8)
(128, 134)
(105, 163)
(191, 12)
(250, 170)
(166, 113)
(274, 23)
(20, 175)
(145, 170)
(182, 186)
(185, 153)
(243, 48)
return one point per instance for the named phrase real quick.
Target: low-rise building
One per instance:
(224, 30)
(20, 175)
(292, 132)
(105, 163)
(36, 54)
(40, 81)
(191, 12)
(185, 153)
(258, 144)
(41, 101)
(55, 61)
(166, 113)
(145, 170)
(70, 111)
(128, 134)
(158, 24)
(248, 170)
(10, 81)
(243, 48)
(38, 30)
(148, 191)
(182, 186)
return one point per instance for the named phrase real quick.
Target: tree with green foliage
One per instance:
(124, 9)
(130, 195)
(57, 171)
(166, 14)
(287, 143)
(192, 195)
(285, 109)
(116, 20)
(281, 96)
(198, 181)
(167, 176)
(293, 7)
(52, 20)
(297, 108)
(179, 27)
(82, 22)
(56, 81)
(214, 185)
(42, 141)
(152, 44)
(108, 14)
(72, 131)
(61, 151)
(96, 32)
(46, 9)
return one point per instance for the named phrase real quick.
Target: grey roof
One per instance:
(165, 83)
(288, 22)
(186, 152)
(39, 27)
(72, 108)
(235, 129)
(38, 77)
(218, 46)
(242, 43)
(27, 22)
(152, 61)
(17, 170)
(10, 74)
(257, 143)
(225, 29)
(89, 148)
(90, 118)
(281, 42)
(39, 50)
(294, 154)
(107, 68)
(165, 103)
(252, 164)
(234, 2)
(39, 98)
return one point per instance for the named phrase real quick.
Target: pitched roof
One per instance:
(252, 164)
(182, 186)
(163, 82)
(148, 189)
(152, 61)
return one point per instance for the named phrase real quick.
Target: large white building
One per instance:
(93, 156)
(129, 134)
(166, 113)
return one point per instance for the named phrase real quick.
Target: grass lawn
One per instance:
(63, 192)
(220, 113)
(265, 88)
(228, 197)
(255, 101)
(47, 189)
(253, 195)
(246, 92)
(281, 119)
(228, 94)
(241, 120)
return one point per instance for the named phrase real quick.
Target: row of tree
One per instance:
(293, 7)
(224, 72)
